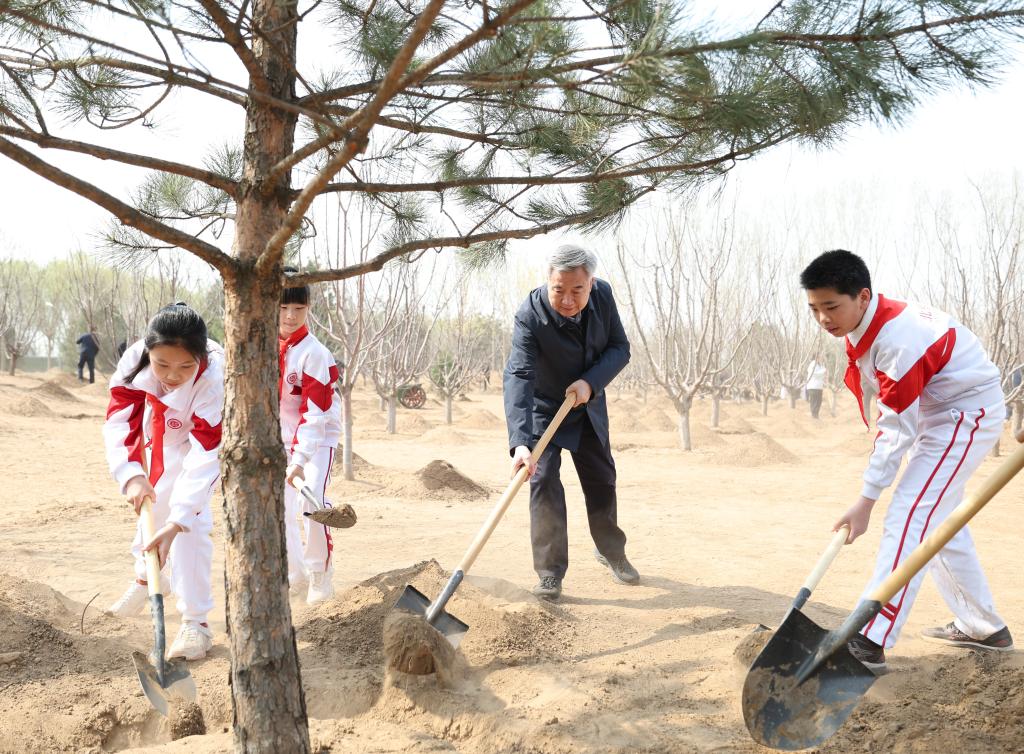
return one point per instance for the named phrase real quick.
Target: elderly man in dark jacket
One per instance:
(567, 338)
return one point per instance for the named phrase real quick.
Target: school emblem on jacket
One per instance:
(174, 424)
(292, 378)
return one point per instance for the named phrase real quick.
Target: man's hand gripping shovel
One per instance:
(420, 636)
(805, 682)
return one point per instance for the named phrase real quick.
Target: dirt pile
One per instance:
(702, 436)
(348, 631)
(859, 445)
(643, 419)
(733, 425)
(972, 703)
(29, 406)
(754, 449)
(444, 435)
(480, 418)
(441, 478)
(411, 424)
(52, 390)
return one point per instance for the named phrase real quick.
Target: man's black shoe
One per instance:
(548, 588)
(622, 570)
(870, 654)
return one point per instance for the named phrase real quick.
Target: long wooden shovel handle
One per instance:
(825, 561)
(148, 530)
(510, 492)
(948, 529)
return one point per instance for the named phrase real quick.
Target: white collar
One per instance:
(869, 314)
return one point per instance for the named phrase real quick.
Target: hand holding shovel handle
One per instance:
(498, 511)
(917, 560)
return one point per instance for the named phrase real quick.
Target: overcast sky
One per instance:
(950, 140)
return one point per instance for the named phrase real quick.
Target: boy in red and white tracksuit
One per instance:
(941, 404)
(310, 430)
(182, 430)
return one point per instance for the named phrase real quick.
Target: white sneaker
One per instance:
(320, 587)
(193, 641)
(134, 599)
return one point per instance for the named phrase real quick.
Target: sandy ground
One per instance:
(722, 536)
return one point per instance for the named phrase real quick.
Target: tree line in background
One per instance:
(710, 302)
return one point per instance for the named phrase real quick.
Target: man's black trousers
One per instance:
(548, 531)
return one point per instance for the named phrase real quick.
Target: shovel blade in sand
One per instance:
(177, 687)
(414, 602)
(786, 713)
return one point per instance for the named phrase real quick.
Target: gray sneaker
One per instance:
(622, 570)
(548, 588)
(1000, 641)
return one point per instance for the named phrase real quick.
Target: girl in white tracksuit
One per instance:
(940, 403)
(167, 396)
(310, 430)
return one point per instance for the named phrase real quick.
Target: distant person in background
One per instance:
(88, 347)
(815, 386)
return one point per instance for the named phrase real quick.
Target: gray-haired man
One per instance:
(567, 338)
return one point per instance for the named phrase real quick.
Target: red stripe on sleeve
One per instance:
(122, 397)
(317, 392)
(899, 395)
(207, 435)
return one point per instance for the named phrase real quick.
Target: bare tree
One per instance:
(24, 300)
(403, 353)
(460, 351)
(354, 314)
(676, 291)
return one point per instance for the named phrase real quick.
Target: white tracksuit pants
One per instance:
(951, 444)
(191, 557)
(315, 555)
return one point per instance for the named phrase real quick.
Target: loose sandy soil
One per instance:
(723, 537)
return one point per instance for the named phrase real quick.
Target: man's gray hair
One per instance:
(571, 257)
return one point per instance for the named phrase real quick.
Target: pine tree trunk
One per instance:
(13, 364)
(266, 691)
(764, 405)
(716, 402)
(447, 409)
(1017, 418)
(266, 688)
(392, 411)
(792, 397)
(346, 434)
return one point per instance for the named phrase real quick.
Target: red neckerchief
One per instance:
(283, 345)
(156, 464)
(885, 311)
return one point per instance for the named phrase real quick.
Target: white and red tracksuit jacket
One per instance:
(916, 360)
(310, 414)
(185, 421)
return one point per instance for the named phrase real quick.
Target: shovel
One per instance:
(166, 683)
(342, 517)
(805, 682)
(416, 603)
(756, 637)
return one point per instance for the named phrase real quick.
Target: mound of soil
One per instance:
(702, 436)
(348, 631)
(441, 477)
(443, 434)
(29, 406)
(627, 423)
(859, 445)
(51, 390)
(412, 424)
(98, 389)
(754, 449)
(625, 406)
(63, 379)
(733, 425)
(790, 426)
(656, 420)
(480, 418)
(972, 703)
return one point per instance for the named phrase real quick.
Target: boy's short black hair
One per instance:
(838, 269)
(297, 295)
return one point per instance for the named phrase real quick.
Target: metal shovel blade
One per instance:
(177, 687)
(782, 712)
(413, 601)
